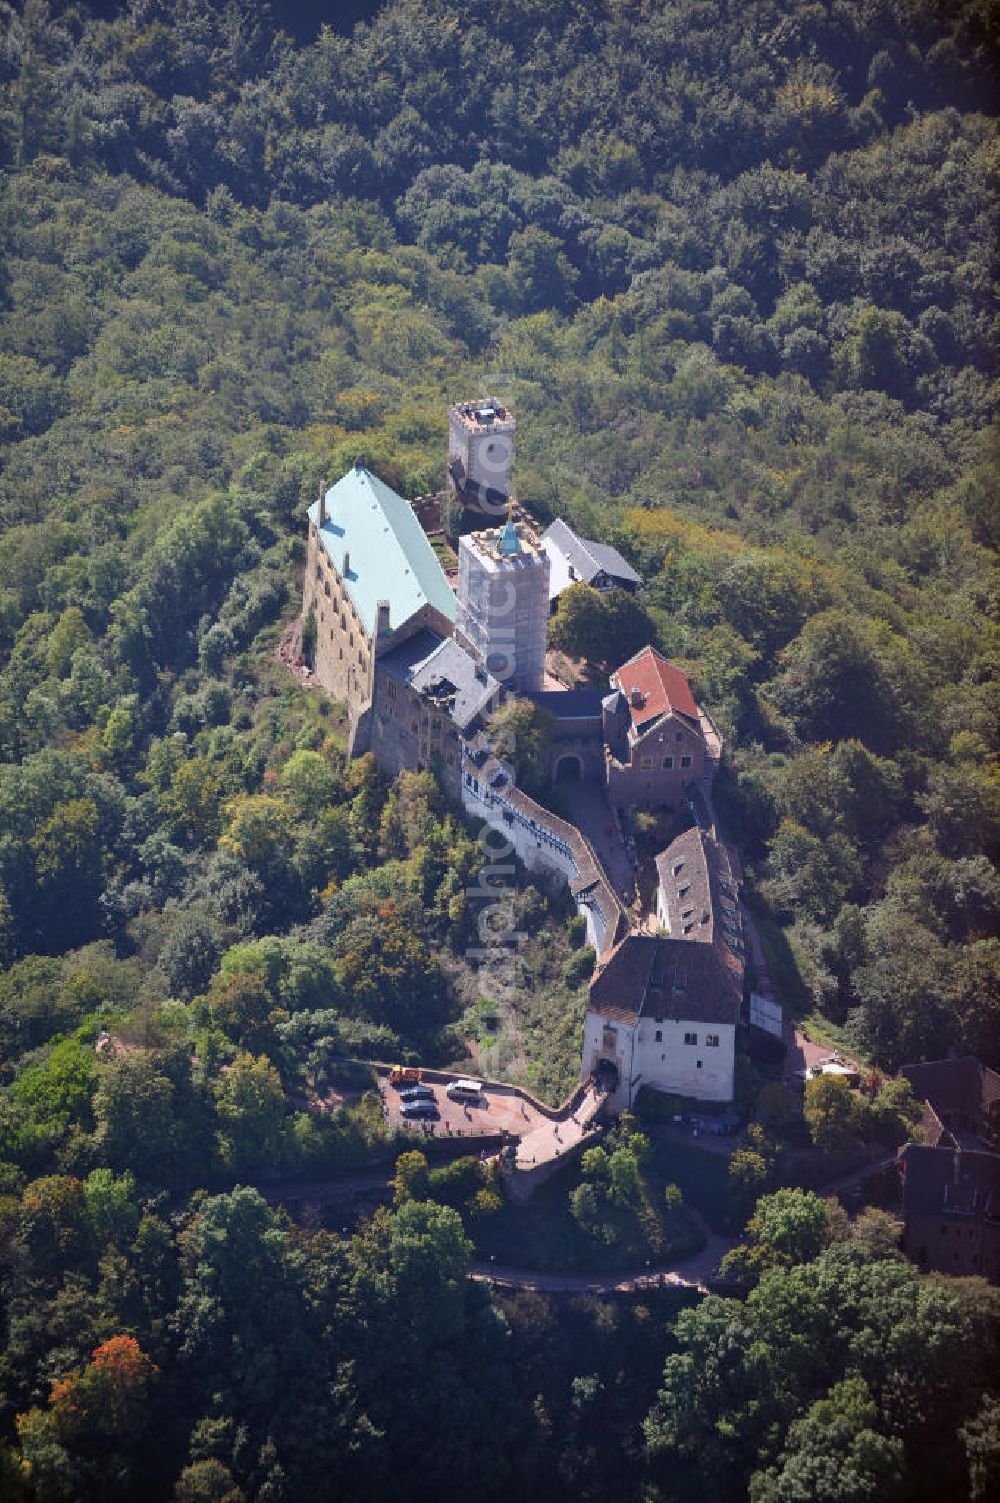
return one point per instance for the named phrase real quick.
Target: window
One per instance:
(698, 1063)
(609, 1039)
(690, 1038)
(659, 1035)
(680, 736)
(668, 762)
(711, 1041)
(645, 761)
(685, 761)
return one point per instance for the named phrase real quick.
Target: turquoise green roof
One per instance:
(510, 543)
(389, 556)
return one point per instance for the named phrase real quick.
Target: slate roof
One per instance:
(588, 557)
(942, 1181)
(963, 1084)
(652, 977)
(653, 688)
(390, 557)
(442, 672)
(700, 886)
(569, 704)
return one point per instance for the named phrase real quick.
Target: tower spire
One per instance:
(509, 543)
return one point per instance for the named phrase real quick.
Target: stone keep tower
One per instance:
(481, 454)
(503, 603)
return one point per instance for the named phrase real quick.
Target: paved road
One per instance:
(550, 1139)
(325, 1191)
(558, 1283)
(684, 1273)
(591, 813)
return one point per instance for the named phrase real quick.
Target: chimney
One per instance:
(322, 505)
(637, 697)
(382, 627)
(347, 563)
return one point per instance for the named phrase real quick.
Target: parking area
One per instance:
(498, 1112)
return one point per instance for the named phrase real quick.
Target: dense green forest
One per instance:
(731, 263)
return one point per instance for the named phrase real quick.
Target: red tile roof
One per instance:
(653, 687)
(649, 976)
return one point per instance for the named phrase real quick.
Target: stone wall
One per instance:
(655, 774)
(343, 649)
(407, 733)
(427, 510)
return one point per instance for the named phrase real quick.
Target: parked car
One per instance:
(419, 1109)
(465, 1090)
(404, 1075)
(417, 1093)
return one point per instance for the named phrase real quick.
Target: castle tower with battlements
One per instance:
(503, 602)
(481, 455)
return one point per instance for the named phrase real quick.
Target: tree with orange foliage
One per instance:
(108, 1397)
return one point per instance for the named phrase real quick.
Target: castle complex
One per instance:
(421, 662)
